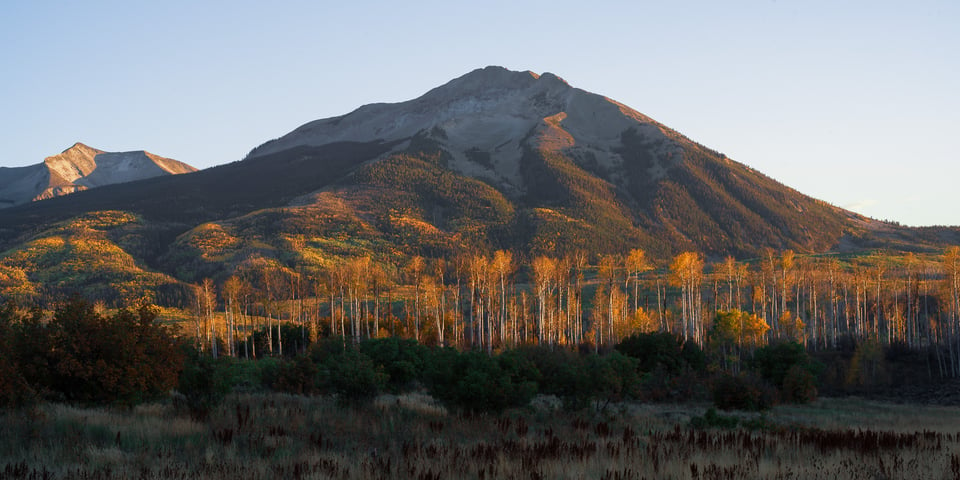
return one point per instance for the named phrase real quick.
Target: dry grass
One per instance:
(409, 436)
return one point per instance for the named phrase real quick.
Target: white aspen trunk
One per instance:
(663, 325)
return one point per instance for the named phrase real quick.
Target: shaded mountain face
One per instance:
(79, 168)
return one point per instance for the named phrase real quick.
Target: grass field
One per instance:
(280, 436)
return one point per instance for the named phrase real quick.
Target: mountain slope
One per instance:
(79, 168)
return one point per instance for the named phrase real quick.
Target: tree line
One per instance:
(82, 355)
(494, 301)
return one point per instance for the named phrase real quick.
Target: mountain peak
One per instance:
(549, 77)
(575, 156)
(81, 167)
(497, 78)
(485, 79)
(462, 105)
(80, 147)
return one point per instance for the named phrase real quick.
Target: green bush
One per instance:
(711, 419)
(561, 373)
(741, 392)
(299, 376)
(204, 383)
(799, 386)
(402, 360)
(477, 382)
(661, 386)
(613, 377)
(775, 362)
(693, 356)
(654, 349)
(15, 391)
(354, 376)
(664, 350)
(83, 356)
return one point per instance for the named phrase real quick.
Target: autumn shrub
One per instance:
(15, 391)
(300, 376)
(799, 386)
(868, 367)
(83, 356)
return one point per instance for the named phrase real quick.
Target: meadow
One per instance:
(275, 435)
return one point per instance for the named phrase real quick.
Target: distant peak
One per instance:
(80, 146)
(79, 150)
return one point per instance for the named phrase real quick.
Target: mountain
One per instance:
(78, 168)
(495, 159)
(579, 171)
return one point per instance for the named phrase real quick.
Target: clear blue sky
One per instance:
(856, 103)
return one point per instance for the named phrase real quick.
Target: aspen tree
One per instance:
(415, 273)
(379, 280)
(199, 322)
(742, 272)
(502, 264)
(561, 281)
(440, 270)
(579, 265)
(208, 295)
(833, 274)
(786, 267)
(729, 270)
(542, 276)
(767, 273)
(951, 271)
(687, 273)
(431, 303)
(636, 264)
(460, 270)
(479, 265)
(231, 292)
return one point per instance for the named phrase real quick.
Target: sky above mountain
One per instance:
(851, 102)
